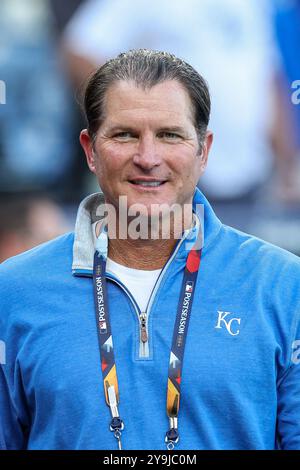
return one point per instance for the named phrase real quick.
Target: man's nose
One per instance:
(147, 155)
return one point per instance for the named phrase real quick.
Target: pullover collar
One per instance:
(83, 247)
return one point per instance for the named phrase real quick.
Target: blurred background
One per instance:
(248, 51)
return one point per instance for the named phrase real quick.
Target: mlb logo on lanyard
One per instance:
(189, 286)
(103, 328)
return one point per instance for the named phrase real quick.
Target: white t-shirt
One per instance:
(139, 282)
(228, 41)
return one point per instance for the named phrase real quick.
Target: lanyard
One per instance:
(108, 365)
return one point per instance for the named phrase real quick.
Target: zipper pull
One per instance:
(144, 336)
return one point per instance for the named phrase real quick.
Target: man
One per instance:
(218, 337)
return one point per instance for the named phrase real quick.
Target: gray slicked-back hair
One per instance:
(146, 68)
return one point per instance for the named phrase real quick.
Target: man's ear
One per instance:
(205, 150)
(87, 145)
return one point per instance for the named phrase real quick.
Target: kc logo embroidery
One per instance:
(228, 323)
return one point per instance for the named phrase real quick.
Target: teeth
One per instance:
(148, 183)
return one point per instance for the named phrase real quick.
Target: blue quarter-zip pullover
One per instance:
(241, 373)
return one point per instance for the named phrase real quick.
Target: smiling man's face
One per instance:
(147, 147)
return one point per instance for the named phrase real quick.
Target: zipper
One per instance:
(144, 346)
(143, 317)
(143, 329)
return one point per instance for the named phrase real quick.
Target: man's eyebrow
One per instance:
(121, 127)
(172, 129)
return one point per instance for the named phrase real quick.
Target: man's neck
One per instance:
(141, 254)
(145, 254)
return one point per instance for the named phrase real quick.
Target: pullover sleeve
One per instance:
(11, 432)
(13, 409)
(288, 411)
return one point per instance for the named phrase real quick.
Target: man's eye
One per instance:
(170, 136)
(124, 136)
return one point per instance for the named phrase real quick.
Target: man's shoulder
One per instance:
(52, 255)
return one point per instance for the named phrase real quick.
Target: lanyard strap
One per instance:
(178, 343)
(108, 365)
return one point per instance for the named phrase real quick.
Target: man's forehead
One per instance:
(168, 96)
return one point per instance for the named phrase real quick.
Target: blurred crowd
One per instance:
(248, 51)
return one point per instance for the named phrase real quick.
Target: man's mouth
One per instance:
(148, 184)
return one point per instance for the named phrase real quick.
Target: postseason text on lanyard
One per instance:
(108, 365)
